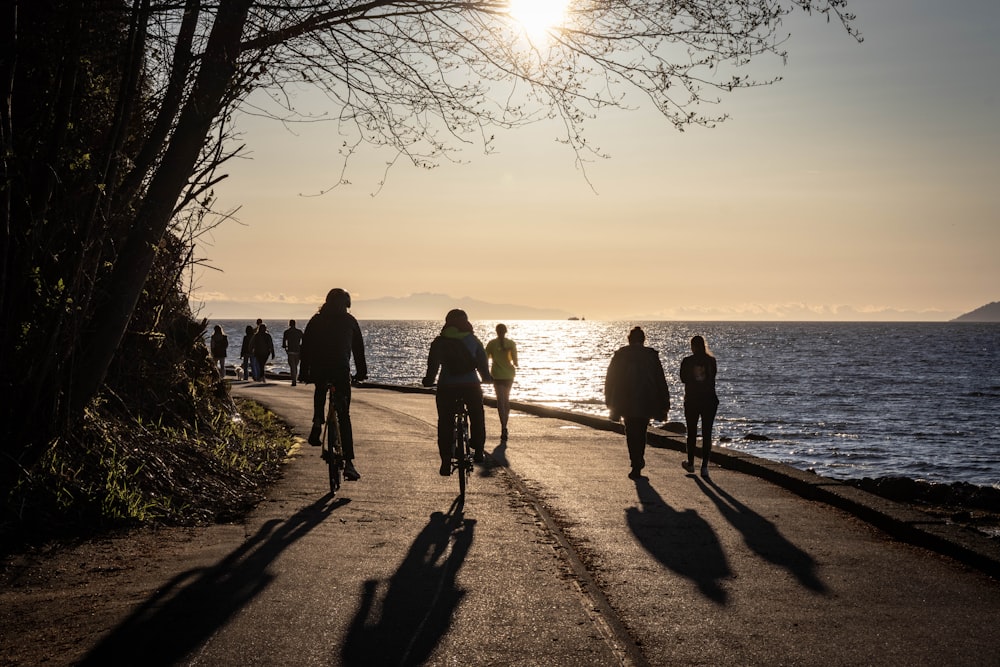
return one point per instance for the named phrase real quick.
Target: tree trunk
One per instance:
(219, 64)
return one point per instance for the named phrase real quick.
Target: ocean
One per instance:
(845, 400)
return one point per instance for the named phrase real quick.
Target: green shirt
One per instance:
(503, 356)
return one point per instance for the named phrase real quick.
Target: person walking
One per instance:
(291, 343)
(698, 373)
(461, 359)
(331, 338)
(502, 352)
(636, 389)
(263, 349)
(246, 353)
(219, 347)
(255, 369)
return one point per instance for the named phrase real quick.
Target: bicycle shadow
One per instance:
(682, 541)
(421, 597)
(763, 537)
(184, 613)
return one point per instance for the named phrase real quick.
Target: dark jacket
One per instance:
(461, 358)
(331, 337)
(291, 340)
(698, 375)
(635, 385)
(220, 345)
(262, 345)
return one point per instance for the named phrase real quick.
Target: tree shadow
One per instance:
(763, 537)
(196, 603)
(682, 541)
(419, 602)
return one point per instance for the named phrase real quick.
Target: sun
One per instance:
(538, 17)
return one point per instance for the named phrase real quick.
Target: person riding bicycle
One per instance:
(460, 356)
(331, 337)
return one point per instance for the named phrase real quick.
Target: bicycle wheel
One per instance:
(334, 456)
(462, 452)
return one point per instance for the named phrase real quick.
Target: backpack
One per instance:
(455, 356)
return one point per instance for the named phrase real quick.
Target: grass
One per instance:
(119, 471)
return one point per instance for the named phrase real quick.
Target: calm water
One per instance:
(845, 400)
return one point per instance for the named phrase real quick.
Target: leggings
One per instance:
(704, 409)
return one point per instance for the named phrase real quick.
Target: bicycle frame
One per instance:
(461, 454)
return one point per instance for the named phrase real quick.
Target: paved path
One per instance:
(557, 559)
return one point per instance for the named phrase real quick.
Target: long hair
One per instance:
(699, 346)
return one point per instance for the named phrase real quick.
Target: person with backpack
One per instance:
(636, 389)
(461, 359)
(698, 373)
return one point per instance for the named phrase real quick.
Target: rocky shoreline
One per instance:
(959, 502)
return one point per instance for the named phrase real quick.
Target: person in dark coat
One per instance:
(461, 359)
(263, 349)
(220, 344)
(246, 353)
(330, 339)
(700, 401)
(636, 389)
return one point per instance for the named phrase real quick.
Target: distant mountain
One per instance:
(428, 306)
(988, 313)
(423, 306)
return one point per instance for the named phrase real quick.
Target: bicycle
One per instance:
(332, 451)
(461, 450)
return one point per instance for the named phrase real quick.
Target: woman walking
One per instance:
(502, 352)
(700, 401)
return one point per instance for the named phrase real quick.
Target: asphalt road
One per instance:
(556, 558)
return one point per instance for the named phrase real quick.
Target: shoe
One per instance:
(351, 473)
(635, 474)
(503, 434)
(478, 456)
(314, 436)
(704, 470)
(687, 465)
(293, 384)
(445, 470)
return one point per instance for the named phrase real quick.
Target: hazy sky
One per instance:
(865, 185)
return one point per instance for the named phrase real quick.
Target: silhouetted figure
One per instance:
(263, 349)
(219, 346)
(700, 401)
(331, 338)
(502, 352)
(246, 353)
(257, 369)
(291, 343)
(635, 388)
(461, 358)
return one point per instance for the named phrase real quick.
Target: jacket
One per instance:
(460, 357)
(330, 339)
(635, 385)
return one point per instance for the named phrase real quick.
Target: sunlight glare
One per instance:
(538, 17)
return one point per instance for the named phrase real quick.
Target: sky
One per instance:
(863, 186)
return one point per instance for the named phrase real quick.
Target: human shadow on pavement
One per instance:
(421, 597)
(186, 611)
(496, 459)
(763, 537)
(683, 541)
